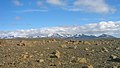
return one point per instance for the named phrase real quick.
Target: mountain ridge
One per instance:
(58, 35)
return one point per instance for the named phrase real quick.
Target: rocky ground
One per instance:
(59, 53)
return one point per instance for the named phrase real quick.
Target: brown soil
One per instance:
(59, 53)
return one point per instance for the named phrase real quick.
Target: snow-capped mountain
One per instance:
(106, 36)
(83, 36)
(57, 35)
(80, 36)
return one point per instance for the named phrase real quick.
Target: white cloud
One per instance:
(17, 3)
(17, 18)
(96, 6)
(55, 2)
(31, 10)
(99, 6)
(39, 3)
(110, 27)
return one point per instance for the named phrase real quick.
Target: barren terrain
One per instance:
(59, 53)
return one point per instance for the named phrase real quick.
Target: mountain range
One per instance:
(82, 32)
(56, 35)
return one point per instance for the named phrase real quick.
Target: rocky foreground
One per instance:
(59, 53)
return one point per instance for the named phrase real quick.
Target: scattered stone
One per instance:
(105, 49)
(70, 47)
(35, 51)
(1, 64)
(54, 40)
(89, 66)
(25, 56)
(52, 64)
(59, 63)
(114, 67)
(96, 44)
(73, 57)
(75, 43)
(86, 43)
(63, 46)
(13, 64)
(84, 67)
(26, 52)
(70, 55)
(41, 54)
(48, 48)
(57, 54)
(102, 51)
(37, 60)
(113, 57)
(82, 60)
(93, 50)
(75, 47)
(21, 44)
(41, 60)
(86, 49)
(118, 48)
(73, 61)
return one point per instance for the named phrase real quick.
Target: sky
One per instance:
(32, 14)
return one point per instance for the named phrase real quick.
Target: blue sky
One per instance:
(28, 14)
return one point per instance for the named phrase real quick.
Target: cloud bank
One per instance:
(99, 6)
(55, 2)
(17, 3)
(31, 10)
(94, 6)
(110, 27)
